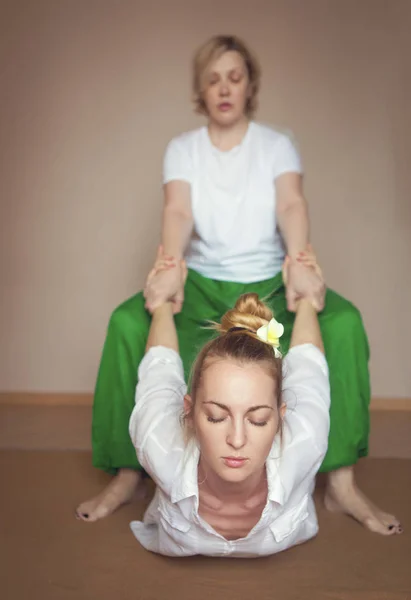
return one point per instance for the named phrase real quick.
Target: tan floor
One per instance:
(46, 554)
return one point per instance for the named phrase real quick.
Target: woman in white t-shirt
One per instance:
(233, 206)
(236, 477)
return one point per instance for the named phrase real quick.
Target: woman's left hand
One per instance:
(165, 263)
(303, 278)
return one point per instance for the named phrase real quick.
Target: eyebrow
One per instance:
(251, 409)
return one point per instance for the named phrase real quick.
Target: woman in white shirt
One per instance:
(235, 476)
(233, 206)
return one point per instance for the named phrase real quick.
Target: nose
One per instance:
(236, 436)
(224, 89)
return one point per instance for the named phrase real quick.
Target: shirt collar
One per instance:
(276, 490)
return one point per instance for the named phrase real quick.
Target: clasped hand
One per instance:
(165, 283)
(303, 278)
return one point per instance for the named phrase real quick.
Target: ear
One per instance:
(188, 407)
(282, 410)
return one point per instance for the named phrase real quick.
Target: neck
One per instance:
(231, 491)
(227, 137)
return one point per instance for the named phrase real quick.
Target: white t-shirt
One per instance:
(172, 524)
(233, 201)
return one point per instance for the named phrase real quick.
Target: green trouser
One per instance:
(346, 349)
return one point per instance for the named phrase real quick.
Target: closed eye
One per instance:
(211, 420)
(255, 423)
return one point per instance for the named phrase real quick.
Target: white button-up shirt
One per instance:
(172, 524)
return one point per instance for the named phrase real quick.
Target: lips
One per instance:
(234, 462)
(224, 106)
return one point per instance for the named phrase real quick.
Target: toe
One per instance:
(376, 526)
(81, 516)
(392, 529)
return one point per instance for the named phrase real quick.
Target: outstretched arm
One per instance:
(306, 329)
(306, 386)
(176, 231)
(293, 221)
(162, 329)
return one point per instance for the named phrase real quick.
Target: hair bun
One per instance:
(249, 312)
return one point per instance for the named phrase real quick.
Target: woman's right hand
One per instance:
(307, 259)
(165, 283)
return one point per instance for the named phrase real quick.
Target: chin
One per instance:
(234, 475)
(226, 119)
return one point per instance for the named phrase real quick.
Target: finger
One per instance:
(318, 298)
(164, 261)
(179, 297)
(308, 252)
(152, 305)
(303, 256)
(318, 305)
(163, 266)
(168, 260)
(292, 305)
(158, 269)
(311, 251)
(150, 277)
(291, 298)
(161, 256)
(306, 260)
(177, 307)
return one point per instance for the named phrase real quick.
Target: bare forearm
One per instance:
(306, 328)
(162, 329)
(176, 232)
(294, 225)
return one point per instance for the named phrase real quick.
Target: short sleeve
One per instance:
(177, 164)
(287, 158)
(155, 427)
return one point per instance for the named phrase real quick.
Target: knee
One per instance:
(130, 315)
(344, 322)
(349, 315)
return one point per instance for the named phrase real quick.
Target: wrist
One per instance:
(305, 304)
(173, 251)
(293, 251)
(163, 310)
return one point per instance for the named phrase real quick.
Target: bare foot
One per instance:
(342, 495)
(118, 492)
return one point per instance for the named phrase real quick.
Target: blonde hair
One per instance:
(238, 341)
(209, 52)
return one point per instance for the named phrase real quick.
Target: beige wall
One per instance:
(91, 91)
